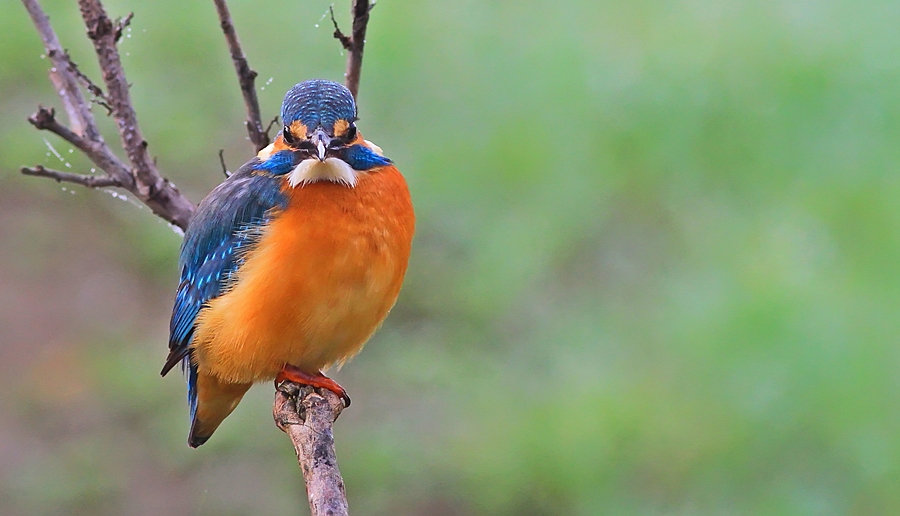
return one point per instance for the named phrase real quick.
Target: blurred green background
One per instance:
(656, 267)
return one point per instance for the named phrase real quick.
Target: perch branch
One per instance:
(246, 78)
(307, 416)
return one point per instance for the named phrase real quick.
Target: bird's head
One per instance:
(319, 118)
(319, 138)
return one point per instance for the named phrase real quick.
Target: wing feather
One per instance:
(223, 230)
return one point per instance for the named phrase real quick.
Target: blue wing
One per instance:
(223, 229)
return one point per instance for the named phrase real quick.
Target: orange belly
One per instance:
(320, 281)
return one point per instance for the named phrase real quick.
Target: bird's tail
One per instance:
(211, 401)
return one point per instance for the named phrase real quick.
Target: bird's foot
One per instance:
(318, 380)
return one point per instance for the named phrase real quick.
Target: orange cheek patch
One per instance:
(298, 129)
(278, 145)
(340, 128)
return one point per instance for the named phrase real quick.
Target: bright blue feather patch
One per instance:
(318, 103)
(361, 157)
(279, 163)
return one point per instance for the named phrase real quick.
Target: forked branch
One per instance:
(355, 43)
(140, 176)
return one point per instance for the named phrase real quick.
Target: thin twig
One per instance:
(307, 416)
(121, 24)
(45, 120)
(222, 162)
(273, 123)
(246, 78)
(65, 177)
(96, 91)
(360, 11)
(339, 35)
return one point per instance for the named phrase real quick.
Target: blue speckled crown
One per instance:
(318, 102)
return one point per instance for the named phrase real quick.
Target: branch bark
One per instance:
(355, 43)
(307, 416)
(151, 187)
(361, 9)
(140, 176)
(80, 116)
(246, 78)
(66, 177)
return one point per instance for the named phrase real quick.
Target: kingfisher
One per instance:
(292, 263)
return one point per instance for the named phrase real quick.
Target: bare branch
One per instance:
(246, 78)
(140, 177)
(84, 133)
(225, 171)
(121, 24)
(99, 96)
(272, 124)
(45, 120)
(150, 187)
(65, 177)
(102, 34)
(96, 151)
(339, 35)
(360, 10)
(307, 416)
(65, 84)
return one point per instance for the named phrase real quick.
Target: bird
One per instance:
(289, 265)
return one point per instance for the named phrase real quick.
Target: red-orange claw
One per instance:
(316, 380)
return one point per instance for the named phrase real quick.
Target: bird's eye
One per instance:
(288, 136)
(351, 133)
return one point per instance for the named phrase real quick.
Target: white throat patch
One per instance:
(332, 169)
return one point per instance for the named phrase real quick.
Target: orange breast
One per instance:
(321, 279)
